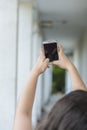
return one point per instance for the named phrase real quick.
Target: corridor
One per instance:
(24, 25)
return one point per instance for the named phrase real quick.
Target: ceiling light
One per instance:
(46, 23)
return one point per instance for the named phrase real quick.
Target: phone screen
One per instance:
(50, 50)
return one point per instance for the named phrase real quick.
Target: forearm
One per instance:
(24, 109)
(27, 98)
(76, 80)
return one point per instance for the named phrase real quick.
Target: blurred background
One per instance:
(24, 25)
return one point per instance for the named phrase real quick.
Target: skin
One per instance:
(24, 109)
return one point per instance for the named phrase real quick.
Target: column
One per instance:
(8, 45)
(47, 85)
(37, 40)
(83, 58)
(68, 85)
(24, 44)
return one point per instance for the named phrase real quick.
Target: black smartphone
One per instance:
(50, 50)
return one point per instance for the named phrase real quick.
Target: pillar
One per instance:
(36, 45)
(8, 48)
(24, 44)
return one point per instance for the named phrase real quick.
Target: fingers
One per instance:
(46, 62)
(60, 48)
(41, 51)
(42, 56)
(55, 63)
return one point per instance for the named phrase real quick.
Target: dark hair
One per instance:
(69, 113)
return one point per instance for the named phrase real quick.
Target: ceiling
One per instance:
(67, 18)
(74, 12)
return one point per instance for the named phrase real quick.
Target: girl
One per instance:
(69, 113)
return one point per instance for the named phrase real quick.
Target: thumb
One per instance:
(55, 63)
(46, 62)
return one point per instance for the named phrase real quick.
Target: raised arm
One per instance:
(24, 109)
(65, 63)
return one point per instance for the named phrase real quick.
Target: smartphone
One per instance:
(50, 50)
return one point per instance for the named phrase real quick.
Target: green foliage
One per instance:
(58, 84)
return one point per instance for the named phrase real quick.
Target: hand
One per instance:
(42, 63)
(63, 61)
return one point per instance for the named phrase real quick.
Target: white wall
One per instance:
(8, 24)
